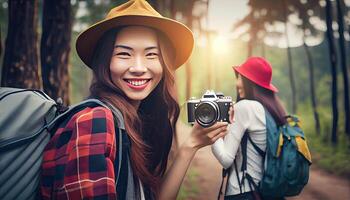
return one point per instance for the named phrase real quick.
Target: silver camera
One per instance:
(212, 107)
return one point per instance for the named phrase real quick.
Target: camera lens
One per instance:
(206, 114)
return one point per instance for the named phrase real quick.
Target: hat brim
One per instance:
(269, 87)
(180, 36)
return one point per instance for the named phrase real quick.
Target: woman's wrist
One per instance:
(189, 146)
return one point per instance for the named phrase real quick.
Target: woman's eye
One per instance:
(152, 55)
(123, 54)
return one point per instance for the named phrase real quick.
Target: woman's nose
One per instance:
(139, 66)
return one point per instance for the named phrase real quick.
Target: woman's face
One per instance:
(239, 85)
(135, 64)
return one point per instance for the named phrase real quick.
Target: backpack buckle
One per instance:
(60, 107)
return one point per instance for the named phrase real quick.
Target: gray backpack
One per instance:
(28, 119)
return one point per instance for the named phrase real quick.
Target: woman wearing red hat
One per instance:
(133, 53)
(255, 93)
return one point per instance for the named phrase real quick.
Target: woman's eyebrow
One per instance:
(149, 48)
(123, 46)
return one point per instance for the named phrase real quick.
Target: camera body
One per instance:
(212, 107)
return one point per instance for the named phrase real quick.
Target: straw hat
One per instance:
(257, 70)
(137, 12)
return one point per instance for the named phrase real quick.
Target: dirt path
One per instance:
(321, 186)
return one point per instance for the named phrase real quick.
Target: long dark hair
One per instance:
(266, 97)
(151, 127)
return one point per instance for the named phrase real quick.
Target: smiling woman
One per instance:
(135, 65)
(133, 54)
(131, 74)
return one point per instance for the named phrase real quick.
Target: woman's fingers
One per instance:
(221, 134)
(204, 130)
(231, 113)
(196, 125)
(201, 136)
(217, 131)
(216, 126)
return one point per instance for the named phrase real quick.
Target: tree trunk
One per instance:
(0, 43)
(161, 7)
(175, 144)
(189, 19)
(20, 68)
(312, 86)
(292, 81)
(0, 53)
(342, 48)
(333, 58)
(154, 4)
(55, 48)
(290, 63)
(349, 34)
(173, 9)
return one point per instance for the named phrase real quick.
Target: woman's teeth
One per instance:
(137, 82)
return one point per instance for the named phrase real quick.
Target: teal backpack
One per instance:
(286, 160)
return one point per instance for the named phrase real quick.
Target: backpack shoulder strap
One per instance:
(224, 174)
(244, 142)
(260, 151)
(246, 137)
(118, 116)
(120, 152)
(87, 103)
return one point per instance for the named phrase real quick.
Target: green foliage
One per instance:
(90, 12)
(87, 13)
(223, 79)
(80, 76)
(334, 159)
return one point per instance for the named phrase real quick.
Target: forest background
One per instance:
(306, 41)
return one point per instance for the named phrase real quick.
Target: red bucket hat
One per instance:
(257, 70)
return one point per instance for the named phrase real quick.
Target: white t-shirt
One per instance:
(248, 116)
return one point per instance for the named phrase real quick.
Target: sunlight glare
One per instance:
(220, 44)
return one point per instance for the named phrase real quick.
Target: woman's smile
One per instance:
(137, 83)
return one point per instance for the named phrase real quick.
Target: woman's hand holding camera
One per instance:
(198, 138)
(201, 136)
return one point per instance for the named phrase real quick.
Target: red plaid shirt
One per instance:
(79, 160)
